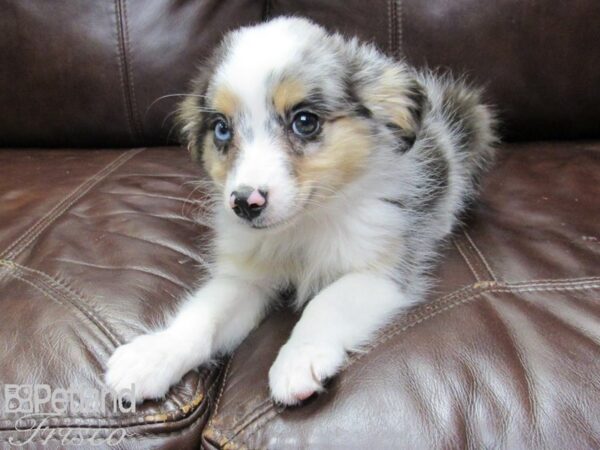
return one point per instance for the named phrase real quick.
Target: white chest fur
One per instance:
(348, 237)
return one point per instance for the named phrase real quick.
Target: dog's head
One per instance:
(286, 115)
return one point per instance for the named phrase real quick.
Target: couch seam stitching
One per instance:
(388, 336)
(203, 400)
(61, 207)
(52, 211)
(480, 253)
(555, 281)
(466, 260)
(400, 38)
(260, 412)
(488, 289)
(209, 425)
(251, 417)
(222, 387)
(128, 60)
(471, 254)
(51, 295)
(153, 435)
(390, 27)
(123, 69)
(556, 285)
(75, 300)
(43, 290)
(542, 288)
(475, 257)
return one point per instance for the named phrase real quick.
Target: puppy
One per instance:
(339, 171)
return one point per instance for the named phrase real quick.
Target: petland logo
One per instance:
(35, 405)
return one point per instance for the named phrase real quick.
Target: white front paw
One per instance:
(300, 369)
(151, 363)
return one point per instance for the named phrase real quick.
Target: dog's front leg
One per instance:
(214, 319)
(341, 318)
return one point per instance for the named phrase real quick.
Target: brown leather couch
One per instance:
(97, 240)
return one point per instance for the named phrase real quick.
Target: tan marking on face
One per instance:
(189, 116)
(342, 156)
(387, 97)
(217, 163)
(225, 101)
(288, 93)
(214, 164)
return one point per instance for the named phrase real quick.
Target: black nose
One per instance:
(248, 203)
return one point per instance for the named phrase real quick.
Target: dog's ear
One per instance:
(191, 114)
(392, 94)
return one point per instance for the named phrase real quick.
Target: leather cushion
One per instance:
(95, 73)
(96, 247)
(99, 245)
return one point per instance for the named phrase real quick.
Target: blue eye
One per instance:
(305, 124)
(222, 131)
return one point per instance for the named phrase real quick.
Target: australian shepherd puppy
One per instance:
(339, 171)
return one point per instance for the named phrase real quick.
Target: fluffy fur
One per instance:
(355, 213)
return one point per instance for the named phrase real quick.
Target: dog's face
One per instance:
(288, 115)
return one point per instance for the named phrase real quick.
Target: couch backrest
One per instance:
(89, 73)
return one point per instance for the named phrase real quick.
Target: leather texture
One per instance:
(93, 73)
(96, 248)
(99, 244)
(505, 354)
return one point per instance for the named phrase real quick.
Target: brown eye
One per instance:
(305, 124)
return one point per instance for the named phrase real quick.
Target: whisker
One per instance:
(163, 97)
(167, 118)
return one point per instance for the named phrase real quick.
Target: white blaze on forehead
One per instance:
(263, 52)
(260, 163)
